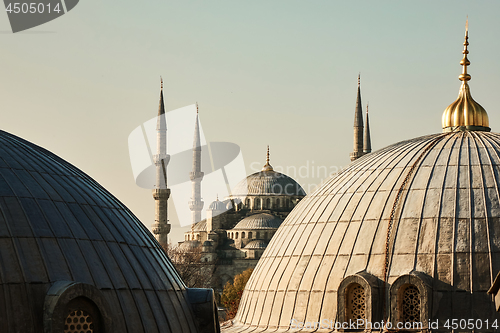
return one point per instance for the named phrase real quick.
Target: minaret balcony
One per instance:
(198, 175)
(161, 193)
(159, 157)
(196, 205)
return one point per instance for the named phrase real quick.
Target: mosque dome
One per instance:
(69, 250)
(189, 245)
(268, 182)
(259, 221)
(217, 205)
(256, 244)
(409, 233)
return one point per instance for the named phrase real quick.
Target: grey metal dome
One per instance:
(268, 183)
(259, 221)
(217, 205)
(256, 244)
(433, 202)
(67, 244)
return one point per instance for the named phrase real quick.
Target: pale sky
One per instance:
(281, 73)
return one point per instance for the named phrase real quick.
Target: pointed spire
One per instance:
(465, 113)
(367, 143)
(358, 125)
(197, 141)
(267, 166)
(161, 107)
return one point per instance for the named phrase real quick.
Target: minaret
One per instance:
(358, 127)
(161, 193)
(196, 176)
(367, 143)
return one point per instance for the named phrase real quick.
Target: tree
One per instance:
(231, 295)
(194, 272)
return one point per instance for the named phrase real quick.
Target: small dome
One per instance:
(200, 226)
(217, 205)
(189, 245)
(207, 243)
(259, 221)
(256, 244)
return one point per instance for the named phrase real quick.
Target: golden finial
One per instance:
(465, 113)
(465, 62)
(196, 107)
(366, 107)
(161, 80)
(267, 166)
(359, 80)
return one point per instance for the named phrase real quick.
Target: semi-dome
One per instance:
(259, 221)
(256, 244)
(71, 250)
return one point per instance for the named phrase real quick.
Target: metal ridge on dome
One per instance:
(465, 113)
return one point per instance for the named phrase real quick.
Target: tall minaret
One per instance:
(367, 143)
(196, 176)
(161, 193)
(358, 127)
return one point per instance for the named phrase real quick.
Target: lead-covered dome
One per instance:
(71, 250)
(433, 202)
(268, 183)
(259, 221)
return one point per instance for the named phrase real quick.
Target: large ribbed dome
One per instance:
(62, 236)
(268, 183)
(440, 194)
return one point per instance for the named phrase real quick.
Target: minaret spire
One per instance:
(161, 193)
(196, 176)
(358, 126)
(367, 143)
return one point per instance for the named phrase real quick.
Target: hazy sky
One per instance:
(277, 72)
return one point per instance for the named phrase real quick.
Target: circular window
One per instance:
(79, 321)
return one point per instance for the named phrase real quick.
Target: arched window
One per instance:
(247, 203)
(355, 302)
(189, 237)
(257, 203)
(410, 304)
(268, 203)
(243, 234)
(250, 234)
(265, 235)
(83, 316)
(277, 203)
(198, 237)
(236, 235)
(258, 235)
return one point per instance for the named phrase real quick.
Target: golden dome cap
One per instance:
(465, 113)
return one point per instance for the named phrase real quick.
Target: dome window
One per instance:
(358, 298)
(250, 234)
(243, 234)
(410, 304)
(79, 321)
(355, 302)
